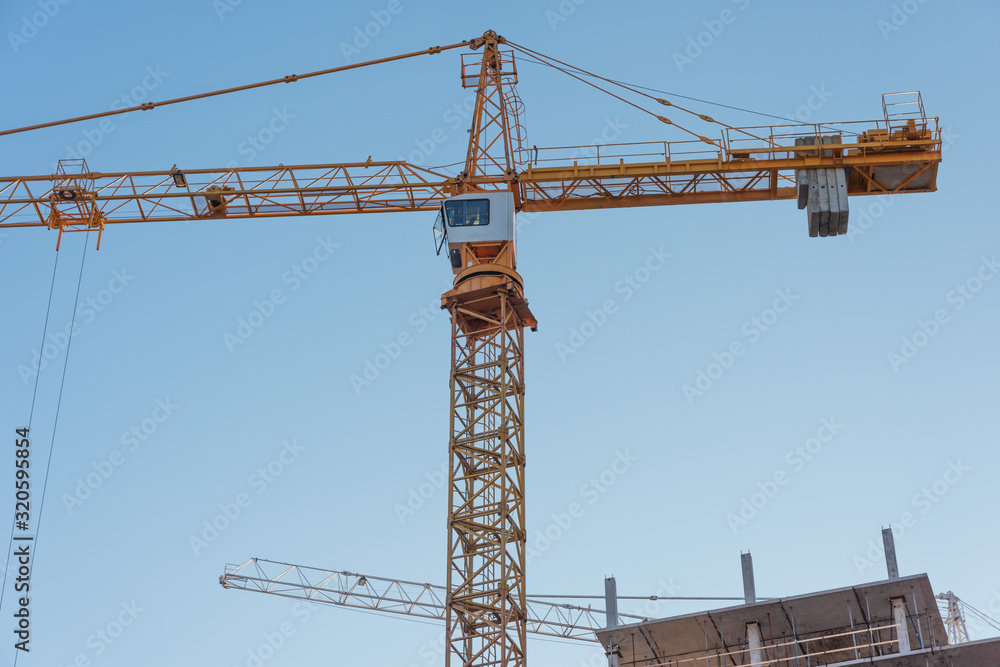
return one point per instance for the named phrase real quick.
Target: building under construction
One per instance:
(895, 622)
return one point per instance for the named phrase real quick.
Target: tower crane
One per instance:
(954, 619)
(409, 598)
(486, 609)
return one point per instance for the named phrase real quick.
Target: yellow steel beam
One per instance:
(707, 166)
(375, 187)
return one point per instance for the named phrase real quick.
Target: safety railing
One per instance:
(612, 154)
(765, 142)
(777, 142)
(826, 649)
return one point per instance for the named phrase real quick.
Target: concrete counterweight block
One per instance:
(823, 192)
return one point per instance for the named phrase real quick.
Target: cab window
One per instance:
(468, 212)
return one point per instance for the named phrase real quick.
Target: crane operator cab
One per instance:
(474, 227)
(478, 230)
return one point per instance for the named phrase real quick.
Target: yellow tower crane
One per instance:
(486, 609)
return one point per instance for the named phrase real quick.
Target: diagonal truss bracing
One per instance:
(393, 596)
(487, 610)
(250, 192)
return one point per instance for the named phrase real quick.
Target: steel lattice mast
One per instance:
(486, 610)
(486, 607)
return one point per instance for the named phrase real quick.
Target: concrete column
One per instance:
(611, 602)
(899, 618)
(749, 590)
(889, 546)
(614, 656)
(756, 644)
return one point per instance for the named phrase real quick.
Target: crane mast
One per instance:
(485, 609)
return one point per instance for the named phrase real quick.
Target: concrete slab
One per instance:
(823, 615)
(802, 179)
(822, 200)
(813, 213)
(831, 184)
(841, 187)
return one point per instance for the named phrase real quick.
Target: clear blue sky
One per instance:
(169, 293)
